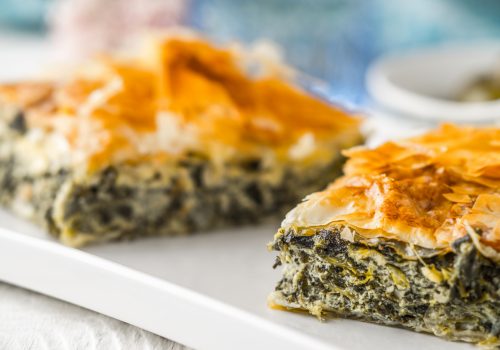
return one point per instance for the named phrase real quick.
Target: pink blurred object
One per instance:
(80, 28)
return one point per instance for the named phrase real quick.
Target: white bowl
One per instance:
(422, 83)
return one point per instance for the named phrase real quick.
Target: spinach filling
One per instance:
(125, 201)
(179, 201)
(455, 295)
(128, 200)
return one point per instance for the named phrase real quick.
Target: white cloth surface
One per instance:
(30, 320)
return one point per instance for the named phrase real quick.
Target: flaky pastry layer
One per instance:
(184, 95)
(427, 191)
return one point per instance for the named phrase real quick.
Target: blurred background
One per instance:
(335, 40)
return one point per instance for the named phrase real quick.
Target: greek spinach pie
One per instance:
(180, 139)
(409, 237)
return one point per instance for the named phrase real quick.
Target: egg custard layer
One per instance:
(179, 138)
(409, 237)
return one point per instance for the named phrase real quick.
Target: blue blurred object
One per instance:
(318, 36)
(24, 14)
(335, 40)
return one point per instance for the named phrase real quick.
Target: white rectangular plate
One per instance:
(207, 291)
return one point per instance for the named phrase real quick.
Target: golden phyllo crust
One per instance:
(114, 110)
(427, 191)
